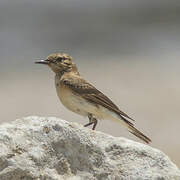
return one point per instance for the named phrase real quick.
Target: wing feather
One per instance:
(91, 94)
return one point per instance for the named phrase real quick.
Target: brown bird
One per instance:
(83, 98)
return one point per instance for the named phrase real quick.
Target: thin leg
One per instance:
(95, 124)
(92, 120)
(88, 124)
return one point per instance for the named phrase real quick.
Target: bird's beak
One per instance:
(46, 62)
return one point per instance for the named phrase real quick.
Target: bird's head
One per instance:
(58, 62)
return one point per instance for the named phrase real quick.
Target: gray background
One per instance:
(129, 49)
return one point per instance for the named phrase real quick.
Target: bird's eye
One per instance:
(59, 59)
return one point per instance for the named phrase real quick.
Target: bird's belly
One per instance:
(75, 103)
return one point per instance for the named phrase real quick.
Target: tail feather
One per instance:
(135, 131)
(138, 134)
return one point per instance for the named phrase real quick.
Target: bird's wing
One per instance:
(91, 94)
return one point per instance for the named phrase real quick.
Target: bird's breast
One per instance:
(71, 100)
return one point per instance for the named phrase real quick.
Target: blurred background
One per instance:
(129, 49)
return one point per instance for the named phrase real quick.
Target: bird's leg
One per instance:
(95, 123)
(92, 120)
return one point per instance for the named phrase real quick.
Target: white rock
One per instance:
(39, 148)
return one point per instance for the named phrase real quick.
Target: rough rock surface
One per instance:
(39, 148)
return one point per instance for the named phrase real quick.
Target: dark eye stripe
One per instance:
(59, 59)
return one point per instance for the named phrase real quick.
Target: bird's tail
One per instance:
(138, 134)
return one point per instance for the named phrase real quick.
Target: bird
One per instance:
(81, 97)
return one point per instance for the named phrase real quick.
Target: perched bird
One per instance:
(83, 98)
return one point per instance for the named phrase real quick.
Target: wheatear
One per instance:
(83, 98)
